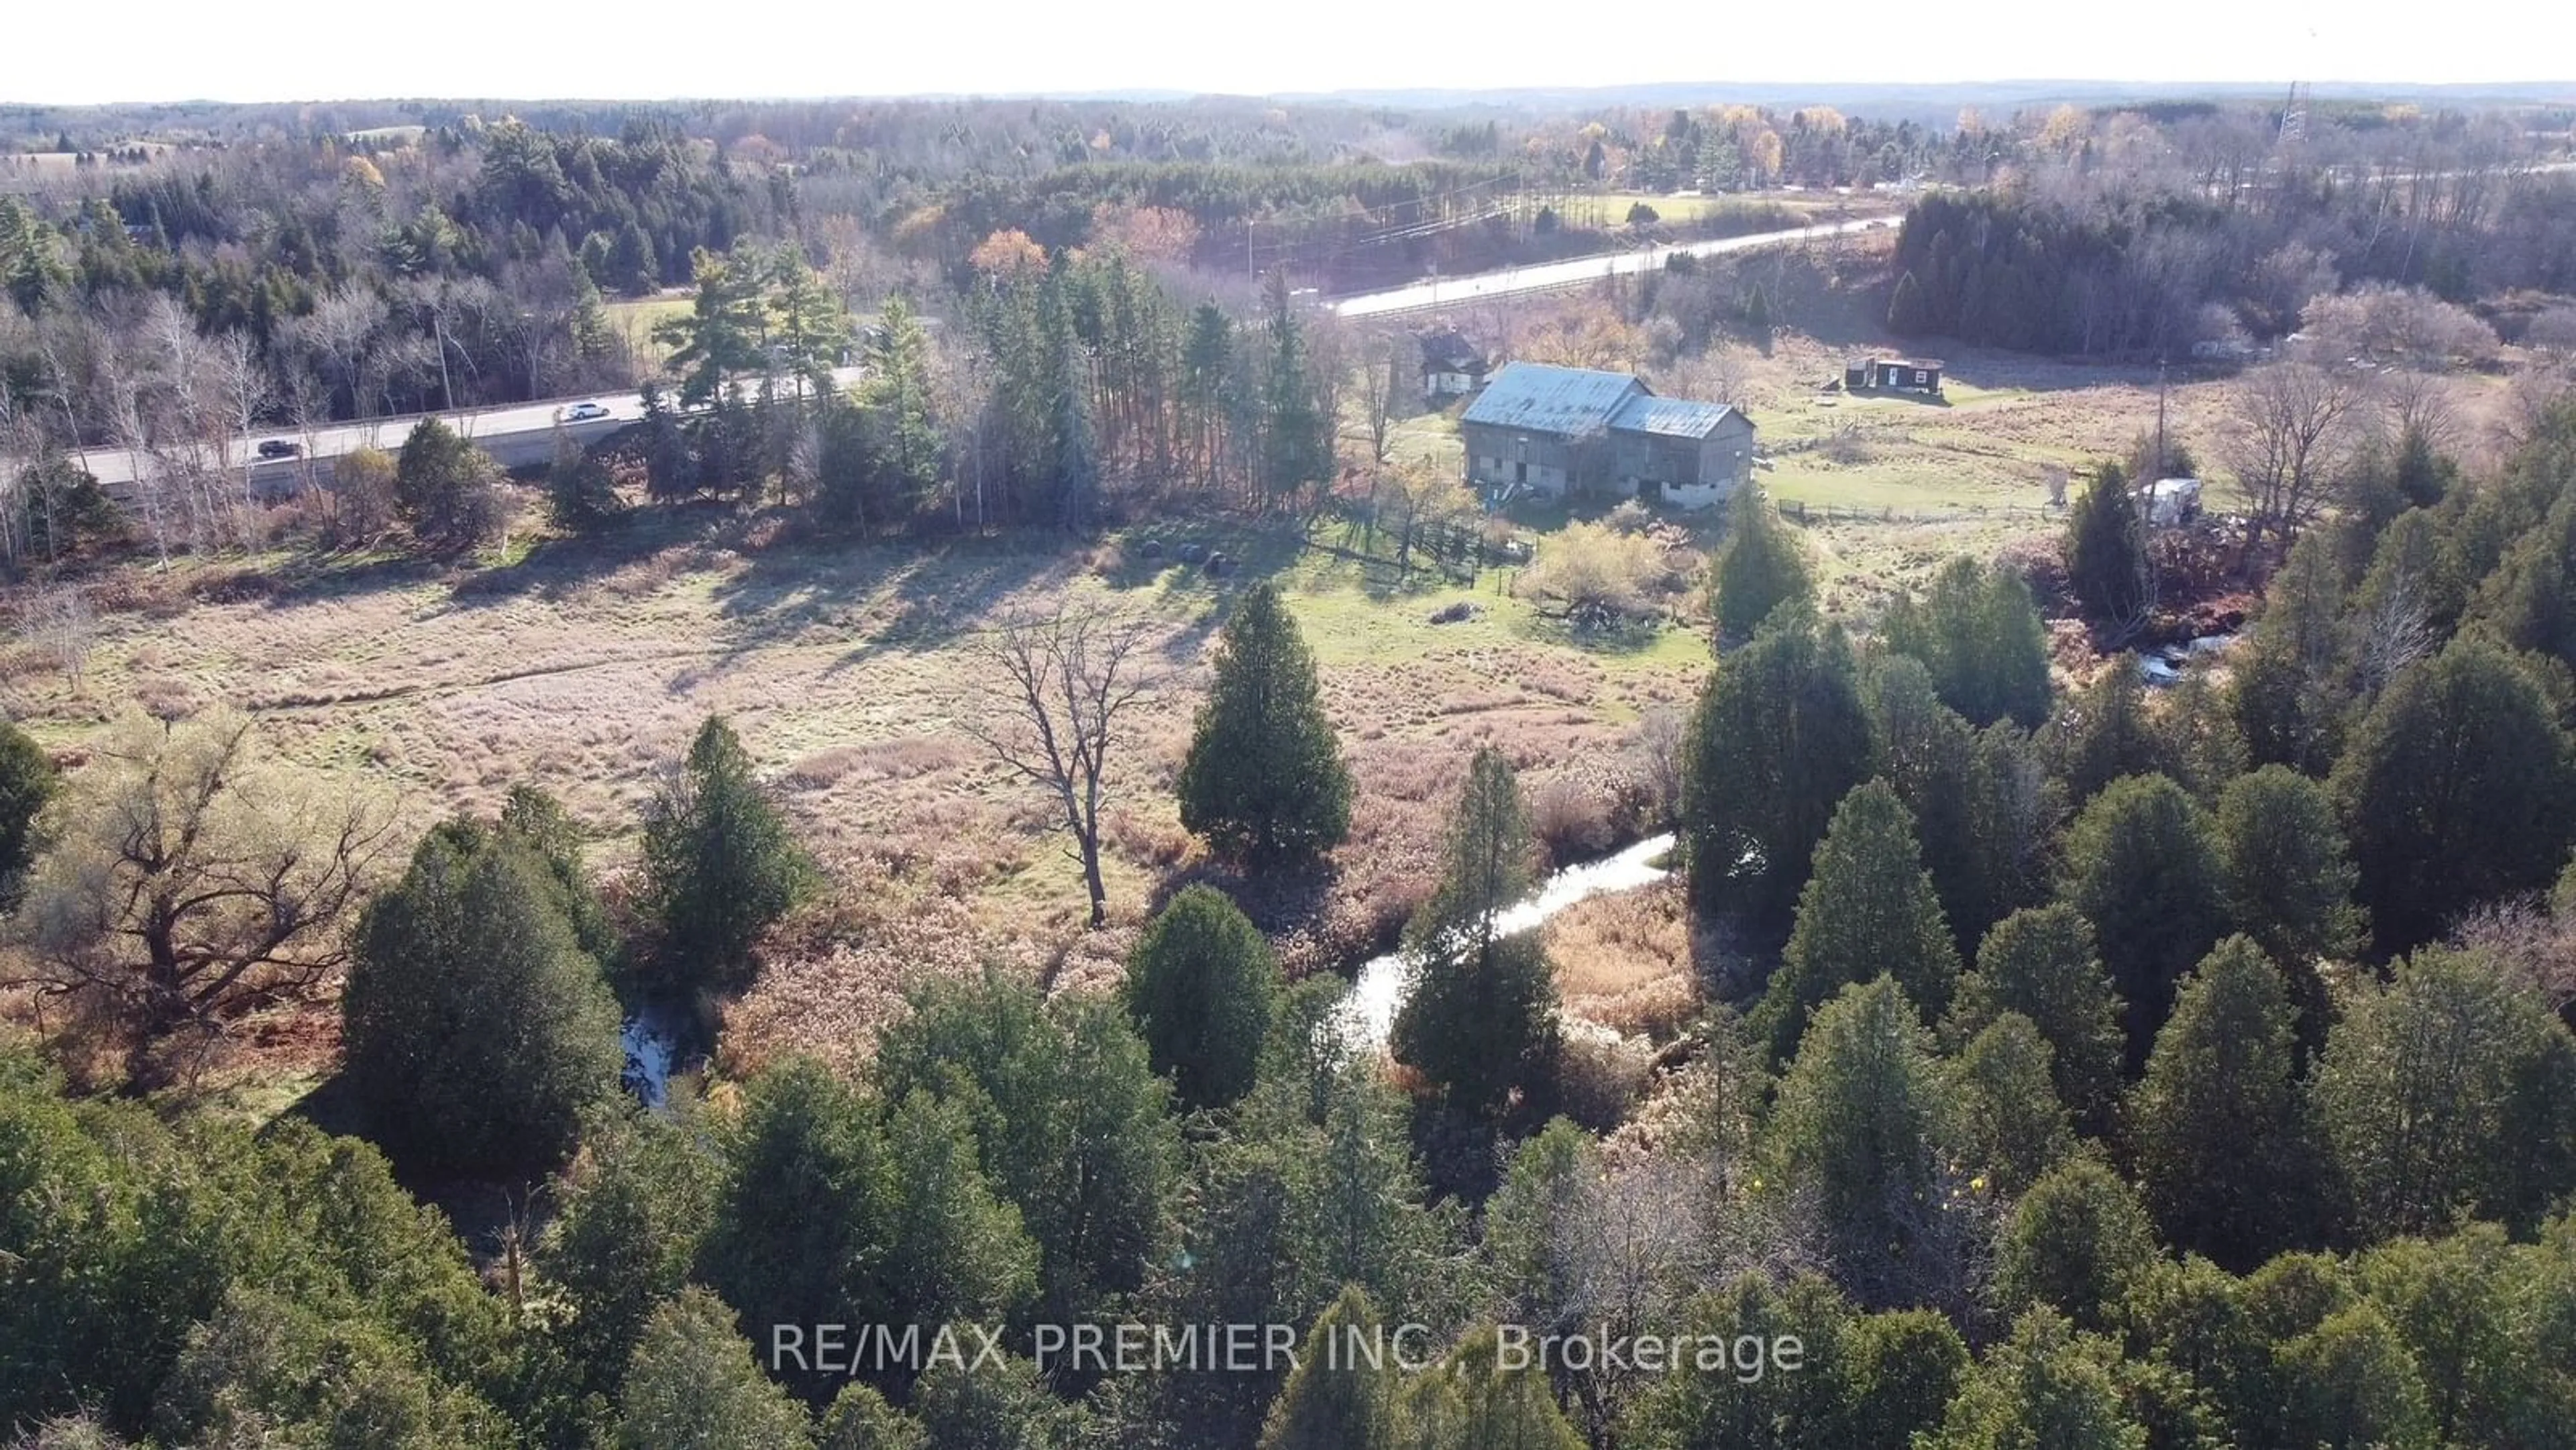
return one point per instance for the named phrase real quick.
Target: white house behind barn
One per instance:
(1556, 431)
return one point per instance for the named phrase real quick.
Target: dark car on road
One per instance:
(279, 448)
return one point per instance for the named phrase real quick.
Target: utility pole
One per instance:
(438, 324)
(2161, 455)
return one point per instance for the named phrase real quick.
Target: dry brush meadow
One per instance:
(851, 674)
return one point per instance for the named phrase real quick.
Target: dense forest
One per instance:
(2147, 246)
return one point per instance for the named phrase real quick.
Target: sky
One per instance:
(287, 50)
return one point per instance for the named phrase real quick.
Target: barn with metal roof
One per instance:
(1556, 430)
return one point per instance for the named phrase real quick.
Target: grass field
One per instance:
(851, 673)
(634, 319)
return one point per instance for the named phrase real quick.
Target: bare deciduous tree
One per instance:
(1380, 380)
(2294, 426)
(61, 623)
(1062, 682)
(194, 880)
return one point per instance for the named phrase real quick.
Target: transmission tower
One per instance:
(2294, 118)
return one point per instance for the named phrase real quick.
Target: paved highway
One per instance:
(517, 435)
(1547, 276)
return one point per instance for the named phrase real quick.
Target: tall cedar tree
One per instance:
(478, 1032)
(2047, 1385)
(1336, 1399)
(1202, 988)
(2226, 1147)
(1980, 635)
(2075, 1243)
(1868, 908)
(2450, 1092)
(2040, 962)
(694, 1381)
(2012, 1125)
(1983, 806)
(2290, 877)
(2106, 552)
(1264, 779)
(27, 781)
(1068, 1119)
(1778, 739)
(1760, 567)
(626, 1233)
(2458, 787)
(1476, 1396)
(2288, 693)
(833, 1203)
(719, 864)
(1861, 1122)
(1481, 1019)
(2142, 866)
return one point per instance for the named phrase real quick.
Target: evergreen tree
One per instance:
(2040, 963)
(2459, 787)
(2012, 1125)
(2225, 1144)
(2289, 877)
(719, 864)
(807, 328)
(2104, 732)
(1981, 799)
(580, 495)
(632, 1214)
(1901, 1368)
(2351, 1381)
(1481, 1018)
(833, 1210)
(1296, 437)
(2449, 1092)
(2142, 866)
(2106, 553)
(2048, 1385)
(478, 1032)
(1778, 739)
(898, 404)
(1264, 779)
(693, 1385)
(1858, 1124)
(1337, 1398)
(27, 781)
(1773, 1410)
(2075, 1244)
(1759, 568)
(670, 472)
(1980, 636)
(994, 1406)
(2288, 693)
(1202, 987)
(1475, 1397)
(723, 333)
(1869, 908)
(1068, 1120)
(444, 487)
(860, 1419)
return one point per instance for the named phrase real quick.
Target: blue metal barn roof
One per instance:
(1543, 398)
(1669, 417)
